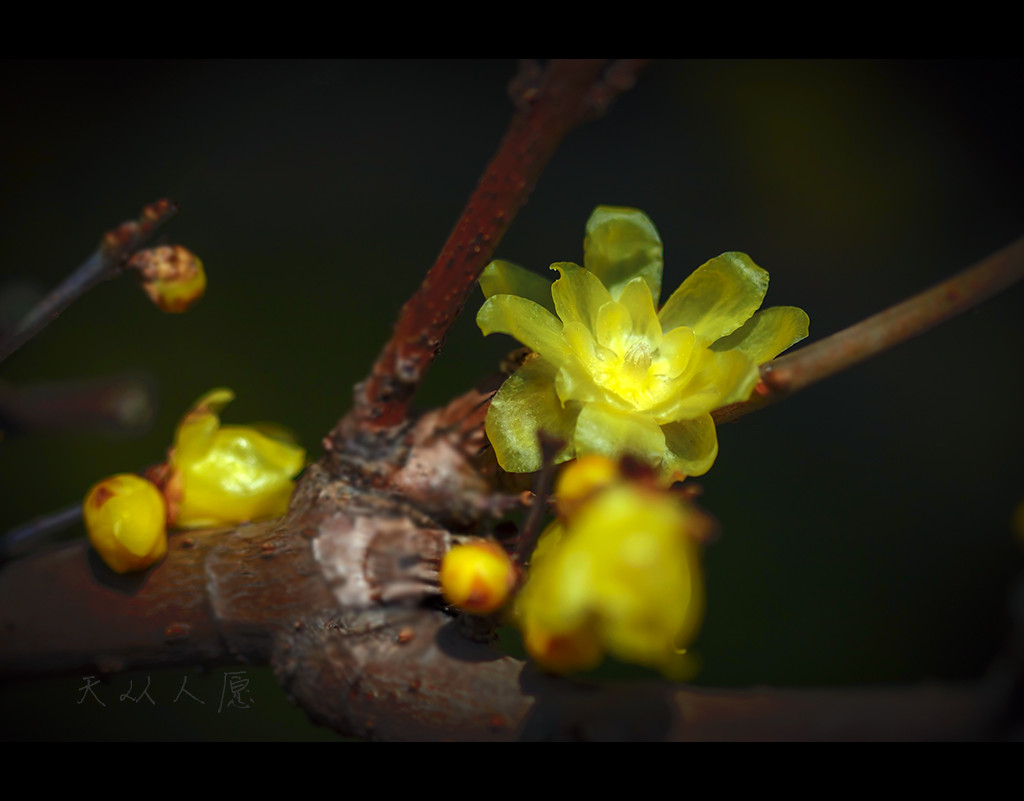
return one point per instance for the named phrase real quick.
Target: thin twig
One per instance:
(550, 446)
(795, 371)
(549, 105)
(118, 405)
(38, 532)
(114, 249)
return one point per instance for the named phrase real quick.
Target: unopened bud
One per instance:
(583, 477)
(478, 578)
(171, 275)
(126, 518)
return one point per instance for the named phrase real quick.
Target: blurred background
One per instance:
(866, 524)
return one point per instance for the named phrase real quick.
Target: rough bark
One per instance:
(340, 598)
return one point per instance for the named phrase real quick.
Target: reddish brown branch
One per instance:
(965, 290)
(218, 597)
(549, 106)
(108, 260)
(65, 611)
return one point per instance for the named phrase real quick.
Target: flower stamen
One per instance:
(637, 360)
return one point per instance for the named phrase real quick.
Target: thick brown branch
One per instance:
(108, 260)
(431, 683)
(395, 669)
(219, 597)
(965, 290)
(66, 611)
(567, 93)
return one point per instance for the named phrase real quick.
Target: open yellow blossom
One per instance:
(221, 475)
(620, 575)
(126, 519)
(613, 375)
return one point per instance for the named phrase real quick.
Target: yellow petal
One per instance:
(613, 326)
(765, 335)
(621, 244)
(276, 432)
(548, 541)
(718, 297)
(213, 401)
(690, 446)
(720, 379)
(636, 298)
(578, 295)
(530, 323)
(505, 278)
(572, 386)
(555, 604)
(584, 345)
(678, 350)
(525, 405)
(198, 427)
(603, 429)
(646, 581)
(578, 377)
(230, 474)
(243, 476)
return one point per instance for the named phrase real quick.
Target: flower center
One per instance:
(637, 361)
(631, 378)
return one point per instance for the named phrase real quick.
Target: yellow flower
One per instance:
(221, 475)
(477, 577)
(621, 575)
(126, 518)
(612, 375)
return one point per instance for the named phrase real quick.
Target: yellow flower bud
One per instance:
(222, 475)
(620, 575)
(172, 276)
(126, 518)
(478, 577)
(582, 478)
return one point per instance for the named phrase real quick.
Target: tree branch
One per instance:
(549, 106)
(38, 532)
(118, 404)
(331, 598)
(108, 260)
(795, 371)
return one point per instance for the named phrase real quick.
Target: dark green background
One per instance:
(866, 522)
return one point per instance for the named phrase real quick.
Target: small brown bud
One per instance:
(171, 275)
